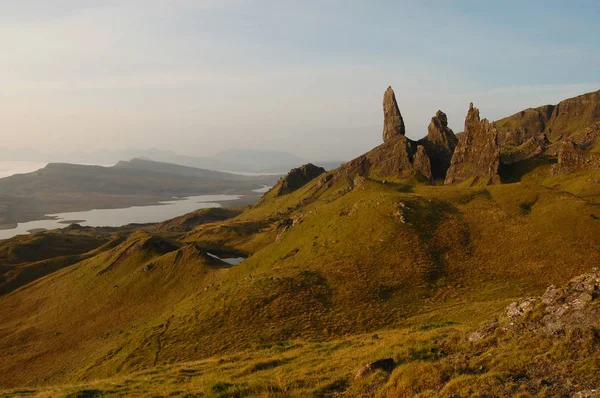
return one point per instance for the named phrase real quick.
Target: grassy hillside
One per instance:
(361, 250)
(405, 256)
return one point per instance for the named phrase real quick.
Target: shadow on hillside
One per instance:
(514, 172)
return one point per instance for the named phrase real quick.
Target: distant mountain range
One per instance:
(245, 160)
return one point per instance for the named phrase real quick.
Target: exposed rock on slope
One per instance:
(518, 128)
(439, 144)
(573, 115)
(477, 153)
(567, 119)
(571, 157)
(393, 124)
(532, 147)
(558, 310)
(297, 178)
(422, 163)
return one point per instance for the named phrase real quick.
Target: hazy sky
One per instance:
(200, 76)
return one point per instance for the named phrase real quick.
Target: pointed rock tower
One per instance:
(422, 163)
(477, 153)
(439, 144)
(393, 125)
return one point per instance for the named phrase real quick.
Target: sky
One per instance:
(307, 76)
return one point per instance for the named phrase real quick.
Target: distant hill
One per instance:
(61, 187)
(162, 167)
(239, 160)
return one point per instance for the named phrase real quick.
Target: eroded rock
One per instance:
(557, 311)
(297, 178)
(421, 162)
(439, 144)
(477, 153)
(393, 124)
(571, 157)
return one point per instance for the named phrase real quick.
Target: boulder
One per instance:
(477, 153)
(393, 124)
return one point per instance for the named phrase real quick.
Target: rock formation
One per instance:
(422, 163)
(393, 124)
(573, 115)
(518, 128)
(558, 310)
(532, 147)
(477, 153)
(439, 144)
(566, 119)
(571, 157)
(297, 178)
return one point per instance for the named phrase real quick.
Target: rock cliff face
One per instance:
(393, 124)
(297, 178)
(439, 145)
(518, 128)
(572, 115)
(477, 153)
(567, 119)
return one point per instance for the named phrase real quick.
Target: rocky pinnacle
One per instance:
(393, 125)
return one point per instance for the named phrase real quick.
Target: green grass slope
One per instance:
(326, 261)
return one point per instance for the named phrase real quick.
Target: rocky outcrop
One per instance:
(567, 119)
(571, 157)
(387, 365)
(393, 124)
(422, 163)
(532, 147)
(557, 311)
(477, 153)
(297, 178)
(518, 128)
(573, 115)
(439, 145)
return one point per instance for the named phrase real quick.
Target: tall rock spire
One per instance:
(439, 145)
(393, 125)
(477, 153)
